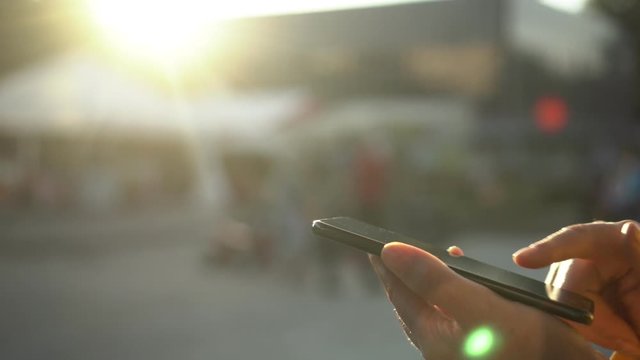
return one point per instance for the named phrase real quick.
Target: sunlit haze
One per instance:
(172, 32)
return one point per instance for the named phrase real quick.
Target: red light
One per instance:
(551, 114)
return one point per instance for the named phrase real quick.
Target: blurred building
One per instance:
(504, 55)
(487, 101)
(548, 90)
(79, 132)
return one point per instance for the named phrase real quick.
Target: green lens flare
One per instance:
(479, 342)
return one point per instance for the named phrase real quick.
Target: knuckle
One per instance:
(628, 223)
(574, 231)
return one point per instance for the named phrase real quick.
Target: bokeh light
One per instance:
(551, 114)
(480, 342)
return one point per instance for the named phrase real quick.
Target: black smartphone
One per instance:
(512, 286)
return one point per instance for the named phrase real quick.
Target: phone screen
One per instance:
(513, 286)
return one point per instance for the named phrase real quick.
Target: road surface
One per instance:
(139, 288)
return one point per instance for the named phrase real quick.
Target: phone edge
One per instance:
(374, 247)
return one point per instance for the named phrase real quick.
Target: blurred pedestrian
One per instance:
(621, 189)
(371, 169)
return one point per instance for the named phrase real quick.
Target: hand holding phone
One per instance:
(512, 286)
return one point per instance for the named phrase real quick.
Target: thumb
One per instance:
(431, 279)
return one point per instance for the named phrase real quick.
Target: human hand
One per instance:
(449, 317)
(601, 261)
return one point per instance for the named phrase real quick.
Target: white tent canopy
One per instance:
(77, 94)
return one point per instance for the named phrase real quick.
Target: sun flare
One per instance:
(167, 32)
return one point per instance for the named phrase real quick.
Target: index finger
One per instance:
(584, 241)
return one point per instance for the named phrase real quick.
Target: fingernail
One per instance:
(455, 251)
(519, 252)
(631, 231)
(393, 257)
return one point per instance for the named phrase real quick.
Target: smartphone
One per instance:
(512, 286)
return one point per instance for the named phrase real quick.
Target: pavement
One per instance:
(139, 287)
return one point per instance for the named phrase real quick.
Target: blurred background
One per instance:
(161, 161)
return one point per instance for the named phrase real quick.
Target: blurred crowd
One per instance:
(80, 175)
(409, 171)
(403, 178)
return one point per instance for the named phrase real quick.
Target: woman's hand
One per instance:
(601, 261)
(449, 317)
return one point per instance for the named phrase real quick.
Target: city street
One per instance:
(161, 165)
(140, 288)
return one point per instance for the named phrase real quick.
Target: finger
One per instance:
(455, 251)
(621, 356)
(608, 328)
(577, 275)
(552, 273)
(628, 296)
(629, 284)
(585, 241)
(391, 286)
(427, 276)
(632, 233)
(423, 324)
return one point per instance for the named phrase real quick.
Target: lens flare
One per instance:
(480, 342)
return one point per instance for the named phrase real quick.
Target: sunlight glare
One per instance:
(169, 32)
